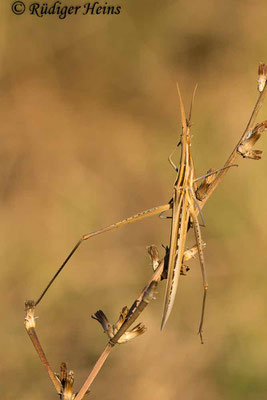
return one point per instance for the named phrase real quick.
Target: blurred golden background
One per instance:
(89, 114)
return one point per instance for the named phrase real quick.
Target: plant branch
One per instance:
(146, 297)
(30, 327)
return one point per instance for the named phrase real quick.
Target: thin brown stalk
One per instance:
(97, 367)
(148, 295)
(145, 298)
(30, 327)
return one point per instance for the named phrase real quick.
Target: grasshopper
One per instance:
(184, 204)
(185, 209)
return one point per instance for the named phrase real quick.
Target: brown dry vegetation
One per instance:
(89, 114)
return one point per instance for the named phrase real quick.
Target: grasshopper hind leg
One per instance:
(200, 329)
(203, 271)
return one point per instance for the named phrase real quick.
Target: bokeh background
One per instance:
(89, 114)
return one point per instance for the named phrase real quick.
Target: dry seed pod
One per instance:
(66, 379)
(133, 333)
(102, 319)
(30, 318)
(245, 148)
(154, 255)
(262, 75)
(112, 330)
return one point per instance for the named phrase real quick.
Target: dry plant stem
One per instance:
(33, 336)
(30, 327)
(148, 295)
(234, 153)
(98, 365)
(145, 297)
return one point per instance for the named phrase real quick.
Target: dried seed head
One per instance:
(203, 187)
(154, 255)
(66, 379)
(245, 147)
(262, 75)
(102, 319)
(30, 318)
(67, 393)
(112, 330)
(63, 371)
(260, 128)
(133, 333)
(245, 150)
